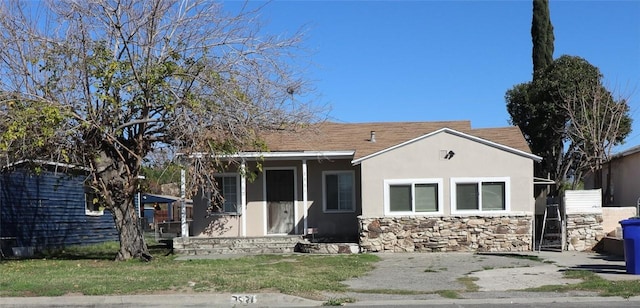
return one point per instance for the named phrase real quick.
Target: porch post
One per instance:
(243, 198)
(183, 205)
(305, 213)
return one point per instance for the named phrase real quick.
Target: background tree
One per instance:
(107, 81)
(157, 175)
(539, 120)
(550, 110)
(597, 122)
(541, 36)
(569, 118)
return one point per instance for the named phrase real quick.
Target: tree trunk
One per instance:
(118, 185)
(132, 243)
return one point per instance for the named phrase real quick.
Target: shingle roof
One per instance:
(510, 136)
(627, 152)
(330, 136)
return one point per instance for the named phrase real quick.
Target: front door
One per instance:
(280, 201)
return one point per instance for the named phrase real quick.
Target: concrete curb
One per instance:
(164, 300)
(270, 300)
(498, 301)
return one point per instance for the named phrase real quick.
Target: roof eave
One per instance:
(283, 155)
(459, 134)
(47, 163)
(627, 152)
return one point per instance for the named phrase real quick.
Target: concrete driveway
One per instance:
(423, 275)
(429, 272)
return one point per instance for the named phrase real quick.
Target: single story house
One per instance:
(161, 213)
(49, 209)
(399, 186)
(619, 185)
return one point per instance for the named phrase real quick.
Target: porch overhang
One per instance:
(542, 181)
(153, 198)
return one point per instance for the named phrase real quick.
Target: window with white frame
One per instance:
(92, 204)
(338, 191)
(413, 196)
(480, 194)
(225, 198)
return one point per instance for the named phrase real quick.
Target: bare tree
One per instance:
(109, 81)
(597, 122)
(569, 118)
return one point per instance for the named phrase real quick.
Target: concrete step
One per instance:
(252, 245)
(187, 242)
(329, 248)
(213, 251)
(237, 246)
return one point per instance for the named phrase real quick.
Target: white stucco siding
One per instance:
(424, 159)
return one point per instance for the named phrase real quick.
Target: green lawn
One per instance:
(91, 271)
(594, 283)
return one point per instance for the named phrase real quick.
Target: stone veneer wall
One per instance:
(439, 234)
(584, 231)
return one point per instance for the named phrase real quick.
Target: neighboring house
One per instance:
(418, 186)
(49, 209)
(162, 213)
(619, 179)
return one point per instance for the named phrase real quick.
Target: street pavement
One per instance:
(416, 279)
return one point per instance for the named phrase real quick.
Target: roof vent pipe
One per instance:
(373, 136)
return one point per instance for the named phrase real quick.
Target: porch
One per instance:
(234, 245)
(200, 246)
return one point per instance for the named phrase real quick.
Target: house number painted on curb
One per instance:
(245, 299)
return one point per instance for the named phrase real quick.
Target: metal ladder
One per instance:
(552, 236)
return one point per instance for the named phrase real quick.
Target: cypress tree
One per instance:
(541, 35)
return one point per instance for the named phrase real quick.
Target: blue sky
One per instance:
(450, 60)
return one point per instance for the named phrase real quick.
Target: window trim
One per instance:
(324, 191)
(478, 181)
(238, 194)
(413, 182)
(87, 211)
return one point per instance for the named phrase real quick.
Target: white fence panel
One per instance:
(583, 201)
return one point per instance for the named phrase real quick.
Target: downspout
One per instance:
(243, 198)
(305, 197)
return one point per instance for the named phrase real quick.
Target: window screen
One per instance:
(467, 196)
(493, 196)
(400, 198)
(426, 197)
